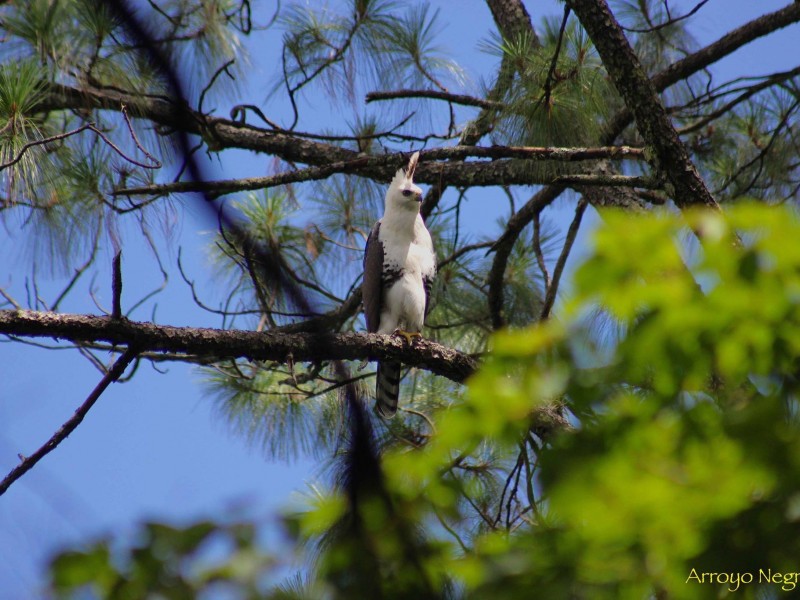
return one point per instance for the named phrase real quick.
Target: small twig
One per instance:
(514, 490)
(67, 428)
(529, 470)
(746, 94)
(759, 158)
(335, 56)
(116, 286)
(463, 250)
(90, 127)
(422, 416)
(164, 274)
(506, 488)
(537, 249)
(670, 20)
(156, 163)
(222, 69)
(78, 272)
(10, 299)
(239, 113)
(451, 531)
(572, 233)
(548, 82)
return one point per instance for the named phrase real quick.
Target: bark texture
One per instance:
(217, 344)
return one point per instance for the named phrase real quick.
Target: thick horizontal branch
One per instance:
(505, 168)
(229, 344)
(217, 132)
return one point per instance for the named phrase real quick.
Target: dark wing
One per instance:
(371, 291)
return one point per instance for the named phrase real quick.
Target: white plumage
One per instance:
(399, 266)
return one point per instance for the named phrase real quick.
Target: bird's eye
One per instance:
(407, 193)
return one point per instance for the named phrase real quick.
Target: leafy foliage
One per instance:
(204, 559)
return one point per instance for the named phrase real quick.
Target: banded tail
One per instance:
(387, 388)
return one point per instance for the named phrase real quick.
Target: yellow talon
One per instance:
(408, 335)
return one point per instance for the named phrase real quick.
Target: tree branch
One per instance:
(434, 94)
(219, 344)
(502, 248)
(670, 156)
(227, 133)
(697, 61)
(501, 170)
(572, 233)
(676, 72)
(67, 428)
(514, 24)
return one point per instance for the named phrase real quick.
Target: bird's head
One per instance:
(402, 192)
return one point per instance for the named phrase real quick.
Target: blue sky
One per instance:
(155, 448)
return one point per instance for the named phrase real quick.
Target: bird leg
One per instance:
(408, 335)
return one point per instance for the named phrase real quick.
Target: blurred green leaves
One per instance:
(204, 559)
(662, 456)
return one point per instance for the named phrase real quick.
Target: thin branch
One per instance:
(212, 81)
(67, 428)
(87, 126)
(693, 63)
(548, 83)
(451, 531)
(505, 245)
(434, 94)
(239, 113)
(10, 299)
(669, 21)
(537, 249)
(335, 56)
(759, 157)
(517, 466)
(162, 270)
(463, 250)
(748, 92)
(572, 233)
(156, 163)
(77, 274)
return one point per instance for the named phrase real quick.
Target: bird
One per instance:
(399, 268)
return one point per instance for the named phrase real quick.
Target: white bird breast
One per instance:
(404, 303)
